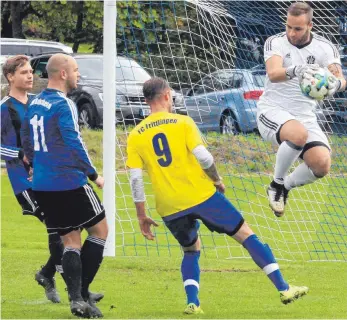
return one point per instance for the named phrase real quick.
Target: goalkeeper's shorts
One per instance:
(217, 213)
(270, 123)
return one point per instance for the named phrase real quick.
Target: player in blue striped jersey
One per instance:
(61, 165)
(18, 72)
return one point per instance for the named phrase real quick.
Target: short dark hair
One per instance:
(299, 8)
(12, 64)
(153, 87)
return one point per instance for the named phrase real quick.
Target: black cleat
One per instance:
(95, 313)
(81, 309)
(49, 286)
(94, 297)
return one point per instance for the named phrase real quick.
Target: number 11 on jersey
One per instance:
(37, 124)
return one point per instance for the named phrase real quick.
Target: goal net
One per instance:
(211, 53)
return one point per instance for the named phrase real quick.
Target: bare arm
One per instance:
(275, 70)
(213, 173)
(140, 209)
(336, 70)
(137, 189)
(206, 161)
(277, 73)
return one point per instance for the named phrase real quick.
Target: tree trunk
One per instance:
(17, 29)
(79, 25)
(6, 27)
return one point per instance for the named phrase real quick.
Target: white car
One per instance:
(13, 46)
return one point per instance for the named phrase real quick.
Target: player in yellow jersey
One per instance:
(187, 188)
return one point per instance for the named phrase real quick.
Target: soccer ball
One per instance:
(316, 86)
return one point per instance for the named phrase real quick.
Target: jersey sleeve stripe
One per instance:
(9, 152)
(268, 42)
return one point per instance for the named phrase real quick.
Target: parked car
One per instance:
(130, 76)
(13, 46)
(332, 113)
(225, 100)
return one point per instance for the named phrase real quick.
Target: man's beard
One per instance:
(303, 40)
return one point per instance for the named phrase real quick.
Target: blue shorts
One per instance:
(217, 213)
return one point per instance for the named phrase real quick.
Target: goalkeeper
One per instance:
(285, 116)
(187, 188)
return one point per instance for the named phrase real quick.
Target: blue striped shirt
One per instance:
(9, 149)
(52, 140)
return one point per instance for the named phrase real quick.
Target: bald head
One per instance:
(62, 71)
(57, 63)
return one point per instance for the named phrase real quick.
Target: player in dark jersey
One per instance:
(61, 165)
(18, 73)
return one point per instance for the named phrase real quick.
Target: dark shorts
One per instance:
(29, 204)
(217, 213)
(71, 209)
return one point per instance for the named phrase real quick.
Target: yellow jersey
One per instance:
(162, 144)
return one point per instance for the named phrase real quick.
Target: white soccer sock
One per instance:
(286, 155)
(300, 176)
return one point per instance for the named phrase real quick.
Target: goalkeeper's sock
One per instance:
(286, 155)
(300, 176)
(263, 257)
(191, 276)
(91, 256)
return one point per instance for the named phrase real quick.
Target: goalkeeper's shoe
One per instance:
(276, 198)
(81, 309)
(292, 294)
(192, 308)
(49, 285)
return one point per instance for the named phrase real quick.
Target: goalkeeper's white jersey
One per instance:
(287, 95)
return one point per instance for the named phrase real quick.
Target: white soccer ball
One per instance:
(315, 86)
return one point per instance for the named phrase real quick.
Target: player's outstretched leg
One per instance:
(264, 258)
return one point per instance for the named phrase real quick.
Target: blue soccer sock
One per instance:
(191, 275)
(263, 257)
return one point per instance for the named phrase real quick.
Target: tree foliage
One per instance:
(164, 36)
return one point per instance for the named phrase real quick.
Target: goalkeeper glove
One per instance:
(300, 70)
(334, 84)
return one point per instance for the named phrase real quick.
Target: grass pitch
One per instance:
(144, 280)
(151, 287)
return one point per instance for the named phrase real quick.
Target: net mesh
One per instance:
(211, 53)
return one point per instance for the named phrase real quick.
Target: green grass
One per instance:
(151, 287)
(144, 280)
